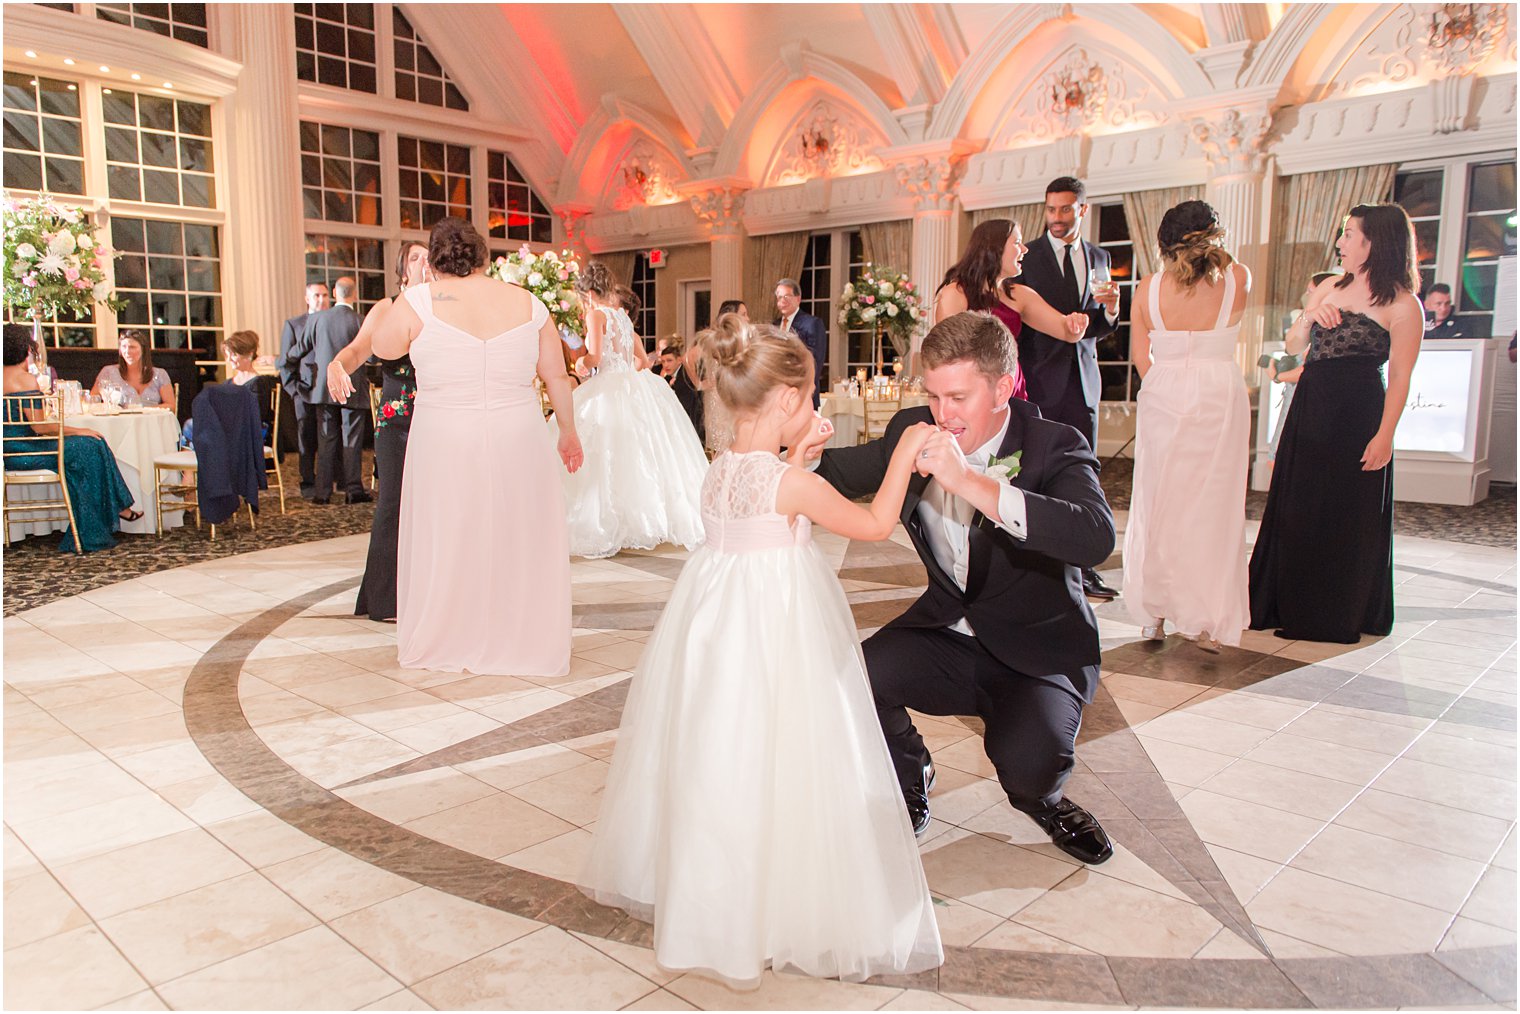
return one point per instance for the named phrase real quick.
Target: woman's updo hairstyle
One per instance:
(1191, 241)
(745, 362)
(455, 248)
(596, 278)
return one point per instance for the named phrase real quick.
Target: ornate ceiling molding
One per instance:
(644, 175)
(1234, 142)
(828, 140)
(720, 208)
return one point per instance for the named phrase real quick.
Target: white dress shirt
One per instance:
(1078, 264)
(947, 519)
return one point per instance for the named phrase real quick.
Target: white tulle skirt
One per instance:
(751, 812)
(641, 484)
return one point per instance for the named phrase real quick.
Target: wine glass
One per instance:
(1100, 282)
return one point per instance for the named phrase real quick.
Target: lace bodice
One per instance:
(617, 345)
(1356, 335)
(739, 504)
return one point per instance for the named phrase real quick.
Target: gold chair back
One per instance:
(47, 446)
(272, 449)
(878, 412)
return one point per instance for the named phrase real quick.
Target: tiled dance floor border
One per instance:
(220, 730)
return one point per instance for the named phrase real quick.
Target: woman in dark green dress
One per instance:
(98, 493)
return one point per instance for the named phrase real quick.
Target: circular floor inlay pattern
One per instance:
(219, 727)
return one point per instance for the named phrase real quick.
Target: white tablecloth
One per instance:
(136, 438)
(849, 414)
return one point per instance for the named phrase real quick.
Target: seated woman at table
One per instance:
(98, 493)
(134, 374)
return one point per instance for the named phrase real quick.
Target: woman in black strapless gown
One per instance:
(377, 592)
(1322, 568)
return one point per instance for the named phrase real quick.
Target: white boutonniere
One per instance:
(1004, 469)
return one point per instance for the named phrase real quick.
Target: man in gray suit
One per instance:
(290, 375)
(340, 425)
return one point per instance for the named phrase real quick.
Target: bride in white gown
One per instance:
(641, 485)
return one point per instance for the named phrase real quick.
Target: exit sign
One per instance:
(657, 258)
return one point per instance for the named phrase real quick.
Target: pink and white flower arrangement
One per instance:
(882, 297)
(551, 277)
(57, 265)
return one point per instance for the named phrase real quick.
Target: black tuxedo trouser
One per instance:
(306, 443)
(1031, 724)
(340, 449)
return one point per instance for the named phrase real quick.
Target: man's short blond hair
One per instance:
(978, 337)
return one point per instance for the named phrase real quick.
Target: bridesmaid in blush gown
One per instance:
(982, 280)
(483, 576)
(1185, 543)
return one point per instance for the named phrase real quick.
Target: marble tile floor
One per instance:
(221, 792)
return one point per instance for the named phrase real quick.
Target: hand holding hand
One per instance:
(339, 384)
(916, 436)
(1076, 323)
(941, 458)
(811, 447)
(570, 451)
(1378, 453)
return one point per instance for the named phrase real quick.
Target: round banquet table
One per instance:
(849, 414)
(136, 438)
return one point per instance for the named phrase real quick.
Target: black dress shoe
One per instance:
(1076, 832)
(359, 498)
(928, 777)
(1094, 588)
(321, 501)
(917, 798)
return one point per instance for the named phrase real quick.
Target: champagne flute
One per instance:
(1100, 282)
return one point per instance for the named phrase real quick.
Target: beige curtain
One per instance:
(620, 263)
(1307, 214)
(767, 260)
(1142, 211)
(1030, 217)
(890, 245)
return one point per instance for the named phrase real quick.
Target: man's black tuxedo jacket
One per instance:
(1062, 377)
(1023, 598)
(290, 368)
(327, 333)
(815, 336)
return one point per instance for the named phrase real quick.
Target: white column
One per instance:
(264, 246)
(721, 209)
(1238, 189)
(931, 182)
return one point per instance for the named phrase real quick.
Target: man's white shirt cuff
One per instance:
(1011, 508)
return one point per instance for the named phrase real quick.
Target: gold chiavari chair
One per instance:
(543, 397)
(879, 410)
(271, 453)
(48, 446)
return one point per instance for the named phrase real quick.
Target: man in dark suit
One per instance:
(1004, 510)
(678, 374)
(805, 326)
(1061, 371)
(290, 369)
(340, 425)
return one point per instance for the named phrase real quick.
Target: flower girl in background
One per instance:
(752, 812)
(642, 479)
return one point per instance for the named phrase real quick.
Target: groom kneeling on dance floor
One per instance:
(1005, 511)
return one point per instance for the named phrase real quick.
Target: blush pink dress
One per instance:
(483, 561)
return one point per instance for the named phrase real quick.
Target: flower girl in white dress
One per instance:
(642, 480)
(751, 812)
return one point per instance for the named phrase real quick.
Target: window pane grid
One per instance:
(43, 135)
(419, 75)
(642, 285)
(335, 45)
(169, 275)
(1120, 381)
(1419, 193)
(340, 174)
(860, 343)
(513, 210)
(185, 22)
(66, 330)
(158, 150)
(435, 181)
(329, 258)
(1488, 233)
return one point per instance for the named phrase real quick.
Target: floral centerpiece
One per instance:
(54, 263)
(882, 300)
(551, 277)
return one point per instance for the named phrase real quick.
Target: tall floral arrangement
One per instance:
(551, 277)
(884, 298)
(54, 262)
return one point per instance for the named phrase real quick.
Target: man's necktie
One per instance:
(1072, 292)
